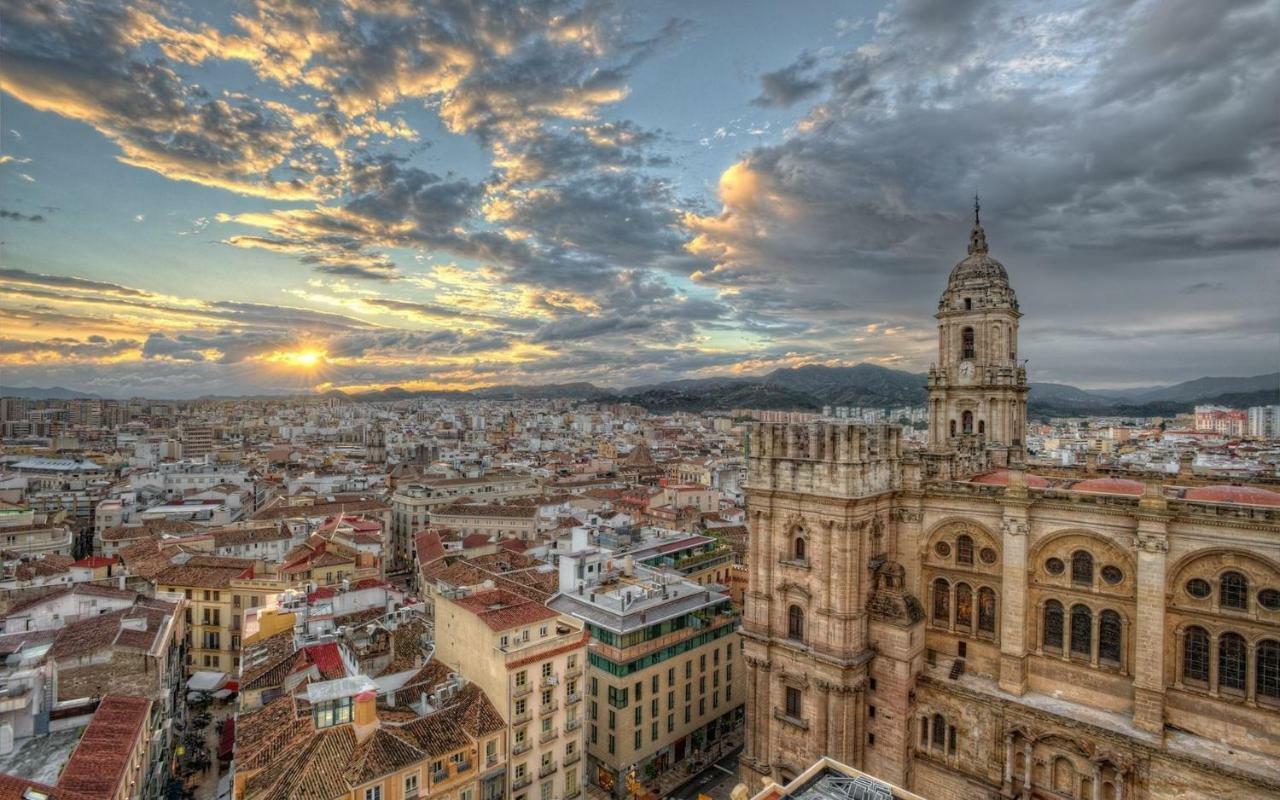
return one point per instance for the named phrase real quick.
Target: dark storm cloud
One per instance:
(1132, 143)
(90, 347)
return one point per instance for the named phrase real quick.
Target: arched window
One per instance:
(964, 549)
(966, 422)
(982, 426)
(798, 551)
(795, 623)
(1109, 637)
(967, 349)
(1267, 669)
(1053, 625)
(1233, 591)
(1081, 630)
(941, 602)
(939, 730)
(964, 606)
(1231, 661)
(1195, 654)
(1064, 777)
(986, 610)
(1082, 567)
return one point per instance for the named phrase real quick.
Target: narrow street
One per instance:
(715, 781)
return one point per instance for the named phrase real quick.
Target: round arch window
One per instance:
(1199, 588)
(1269, 599)
(1112, 574)
(942, 549)
(1054, 566)
(988, 555)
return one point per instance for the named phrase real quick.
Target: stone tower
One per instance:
(819, 506)
(977, 388)
(376, 445)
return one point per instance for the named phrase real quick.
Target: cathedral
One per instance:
(966, 624)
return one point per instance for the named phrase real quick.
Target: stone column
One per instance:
(754, 712)
(1027, 768)
(1008, 760)
(820, 721)
(1097, 781)
(764, 691)
(1013, 600)
(1149, 682)
(835, 722)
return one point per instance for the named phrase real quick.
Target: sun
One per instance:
(304, 359)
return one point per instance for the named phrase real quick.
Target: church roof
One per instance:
(1109, 486)
(1000, 477)
(1243, 495)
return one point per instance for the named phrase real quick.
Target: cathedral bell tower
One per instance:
(978, 388)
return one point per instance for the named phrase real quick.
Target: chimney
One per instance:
(1186, 464)
(366, 715)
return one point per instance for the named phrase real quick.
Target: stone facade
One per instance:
(966, 626)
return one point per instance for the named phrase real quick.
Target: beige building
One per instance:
(665, 655)
(412, 503)
(530, 661)
(495, 521)
(966, 625)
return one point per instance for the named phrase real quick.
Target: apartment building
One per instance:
(412, 503)
(530, 661)
(495, 521)
(664, 657)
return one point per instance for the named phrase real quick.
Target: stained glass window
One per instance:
(1234, 591)
(1081, 567)
(1269, 599)
(1081, 630)
(1109, 637)
(1053, 624)
(1198, 588)
(964, 606)
(986, 610)
(1054, 566)
(1231, 661)
(1268, 669)
(964, 549)
(1195, 654)
(941, 602)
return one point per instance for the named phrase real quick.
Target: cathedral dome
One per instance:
(1109, 486)
(1242, 495)
(978, 266)
(1000, 477)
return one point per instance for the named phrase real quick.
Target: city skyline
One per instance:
(216, 200)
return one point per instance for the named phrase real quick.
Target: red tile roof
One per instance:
(328, 660)
(1243, 495)
(502, 610)
(100, 760)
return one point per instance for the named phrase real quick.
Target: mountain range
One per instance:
(808, 388)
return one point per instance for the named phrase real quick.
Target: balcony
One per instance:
(572, 758)
(547, 736)
(572, 697)
(440, 776)
(550, 680)
(521, 717)
(491, 761)
(520, 690)
(547, 769)
(520, 783)
(460, 767)
(573, 672)
(521, 747)
(572, 725)
(548, 708)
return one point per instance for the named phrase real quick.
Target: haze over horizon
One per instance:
(246, 199)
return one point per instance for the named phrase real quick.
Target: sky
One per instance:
(267, 197)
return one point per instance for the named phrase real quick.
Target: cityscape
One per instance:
(617, 401)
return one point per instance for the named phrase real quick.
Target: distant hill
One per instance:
(1201, 388)
(51, 393)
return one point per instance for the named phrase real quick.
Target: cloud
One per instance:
(790, 84)
(17, 216)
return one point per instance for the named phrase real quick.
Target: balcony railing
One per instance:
(551, 680)
(546, 770)
(573, 672)
(548, 708)
(521, 691)
(547, 736)
(460, 767)
(520, 717)
(572, 697)
(520, 783)
(572, 758)
(573, 724)
(440, 776)
(521, 747)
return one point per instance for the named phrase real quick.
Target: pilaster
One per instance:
(1013, 615)
(1148, 682)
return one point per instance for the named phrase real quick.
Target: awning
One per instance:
(227, 744)
(206, 681)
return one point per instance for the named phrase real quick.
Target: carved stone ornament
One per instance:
(1014, 527)
(1152, 543)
